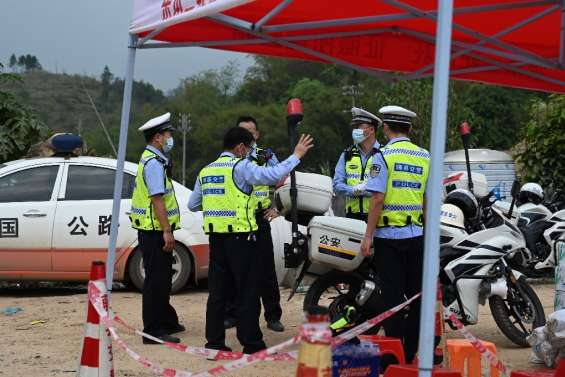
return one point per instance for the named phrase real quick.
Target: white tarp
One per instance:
(152, 14)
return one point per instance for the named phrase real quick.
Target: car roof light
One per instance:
(65, 144)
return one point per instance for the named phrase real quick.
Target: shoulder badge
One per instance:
(375, 170)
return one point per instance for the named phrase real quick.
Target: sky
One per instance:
(83, 36)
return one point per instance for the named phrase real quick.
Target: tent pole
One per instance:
(118, 182)
(434, 190)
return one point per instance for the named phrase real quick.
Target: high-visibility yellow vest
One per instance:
(260, 194)
(226, 208)
(143, 215)
(408, 168)
(356, 172)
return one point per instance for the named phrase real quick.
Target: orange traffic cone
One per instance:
(96, 357)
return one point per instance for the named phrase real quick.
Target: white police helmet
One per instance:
(451, 215)
(531, 193)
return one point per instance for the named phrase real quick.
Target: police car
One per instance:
(55, 216)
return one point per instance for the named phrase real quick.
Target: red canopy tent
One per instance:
(509, 42)
(516, 43)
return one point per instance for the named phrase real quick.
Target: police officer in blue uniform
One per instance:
(270, 295)
(155, 214)
(234, 253)
(352, 168)
(398, 180)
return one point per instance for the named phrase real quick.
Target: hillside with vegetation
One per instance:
(215, 98)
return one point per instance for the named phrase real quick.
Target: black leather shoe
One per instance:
(165, 338)
(178, 328)
(252, 350)
(275, 326)
(222, 348)
(229, 323)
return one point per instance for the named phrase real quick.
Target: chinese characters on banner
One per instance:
(171, 8)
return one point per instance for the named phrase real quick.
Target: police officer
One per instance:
(223, 190)
(263, 215)
(155, 214)
(398, 179)
(352, 169)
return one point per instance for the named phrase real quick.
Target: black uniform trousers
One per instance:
(159, 317)
(269, 289)
(234, 272)
(399, 265)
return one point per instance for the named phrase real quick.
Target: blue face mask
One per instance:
(358, 136)
(169, 143)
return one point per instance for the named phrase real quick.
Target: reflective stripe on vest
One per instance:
(408, 169)
(260, 197)
(226, 208)
(356, 173)
(143, 215)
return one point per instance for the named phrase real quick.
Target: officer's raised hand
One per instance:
(303, 145)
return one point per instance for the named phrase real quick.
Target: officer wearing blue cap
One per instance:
(155, 214)
(398, 179)
(352, 168)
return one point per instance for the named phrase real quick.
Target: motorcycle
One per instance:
(541, 229)
(474, 269)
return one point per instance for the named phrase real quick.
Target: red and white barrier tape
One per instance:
(96, 289)
(95, 293)
(475, 342)
(196, 351)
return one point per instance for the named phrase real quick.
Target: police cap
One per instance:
(397, 114)
(158, 124)
(360, 116)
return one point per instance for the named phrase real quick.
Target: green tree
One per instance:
(544, 143)
(13, 62)
(19, 125)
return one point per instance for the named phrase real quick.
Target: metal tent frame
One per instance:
(443, 17)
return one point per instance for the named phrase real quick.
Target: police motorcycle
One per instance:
(477, 242)
(540, 227)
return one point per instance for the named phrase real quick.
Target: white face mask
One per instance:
(358, 136)
(169, 143)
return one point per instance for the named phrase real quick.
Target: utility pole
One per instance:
(352, 90)
(185, 128)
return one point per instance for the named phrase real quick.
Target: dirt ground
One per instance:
(51, 347)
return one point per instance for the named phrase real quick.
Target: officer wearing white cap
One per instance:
(155, 214)
(397, 182)
(352, 168)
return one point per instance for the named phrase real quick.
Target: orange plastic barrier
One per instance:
(390, 346)
(461, 350)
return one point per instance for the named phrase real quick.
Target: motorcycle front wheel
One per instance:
(519, 314)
